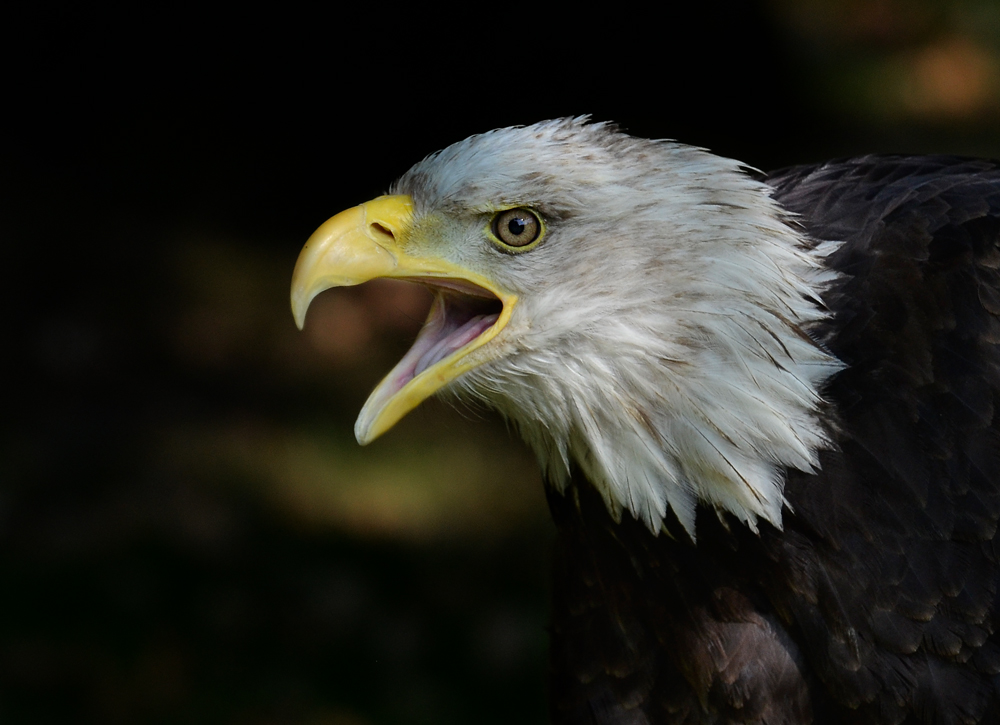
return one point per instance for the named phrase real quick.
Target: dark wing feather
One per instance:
(878, 603)
(644, 632)
(905, 529)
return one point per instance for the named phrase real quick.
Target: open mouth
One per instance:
(459, 314)
(468, 311)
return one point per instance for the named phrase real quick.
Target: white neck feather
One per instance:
(697, 383)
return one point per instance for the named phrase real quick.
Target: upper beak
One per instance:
(368, 242)
(352, 247)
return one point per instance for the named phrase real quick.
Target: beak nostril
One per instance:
(380, 229)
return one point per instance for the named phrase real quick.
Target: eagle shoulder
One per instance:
(878, 601)
(889, 562)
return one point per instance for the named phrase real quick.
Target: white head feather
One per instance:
(660, 338)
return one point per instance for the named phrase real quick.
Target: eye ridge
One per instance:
(516, 228)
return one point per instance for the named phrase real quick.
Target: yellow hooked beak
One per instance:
(368, 242)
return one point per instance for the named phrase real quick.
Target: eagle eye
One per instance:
(516, 228)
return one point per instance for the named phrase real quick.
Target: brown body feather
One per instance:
(878, 602)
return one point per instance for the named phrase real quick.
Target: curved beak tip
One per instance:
(300, 307)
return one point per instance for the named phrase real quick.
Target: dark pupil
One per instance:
(516, 226)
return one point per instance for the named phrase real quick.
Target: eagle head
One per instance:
(641, 310)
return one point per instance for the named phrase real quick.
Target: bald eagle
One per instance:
(765, 407)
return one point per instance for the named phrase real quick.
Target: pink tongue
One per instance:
(454, 340)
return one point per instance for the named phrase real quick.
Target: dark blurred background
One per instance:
(188, 531)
